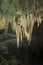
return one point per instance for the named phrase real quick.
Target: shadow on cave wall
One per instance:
(36, 47)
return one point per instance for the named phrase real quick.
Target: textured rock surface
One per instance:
(25, 55)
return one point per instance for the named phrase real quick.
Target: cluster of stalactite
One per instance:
(23, 27)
